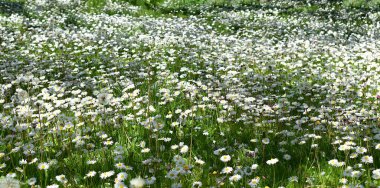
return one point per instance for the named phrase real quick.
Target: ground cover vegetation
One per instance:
(189, 93)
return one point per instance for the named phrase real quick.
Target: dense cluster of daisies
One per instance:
(242, 97)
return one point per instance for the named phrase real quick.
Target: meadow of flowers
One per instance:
(275, 94)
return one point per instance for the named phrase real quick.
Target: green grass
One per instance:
(201, 78)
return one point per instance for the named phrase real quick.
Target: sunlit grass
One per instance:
(188, 93)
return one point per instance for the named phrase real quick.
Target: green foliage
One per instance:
(9, 7)
(96, 3)
(182, 81)
(144, 3)
(373, 4)
(354, 3)
(211, 2)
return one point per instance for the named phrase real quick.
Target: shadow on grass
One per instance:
(7, 7)
(322, 11)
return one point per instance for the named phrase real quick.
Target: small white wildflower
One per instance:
(272, 161)
(137, 182)
(225, 158)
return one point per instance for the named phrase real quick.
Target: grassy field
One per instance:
(189, 93)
